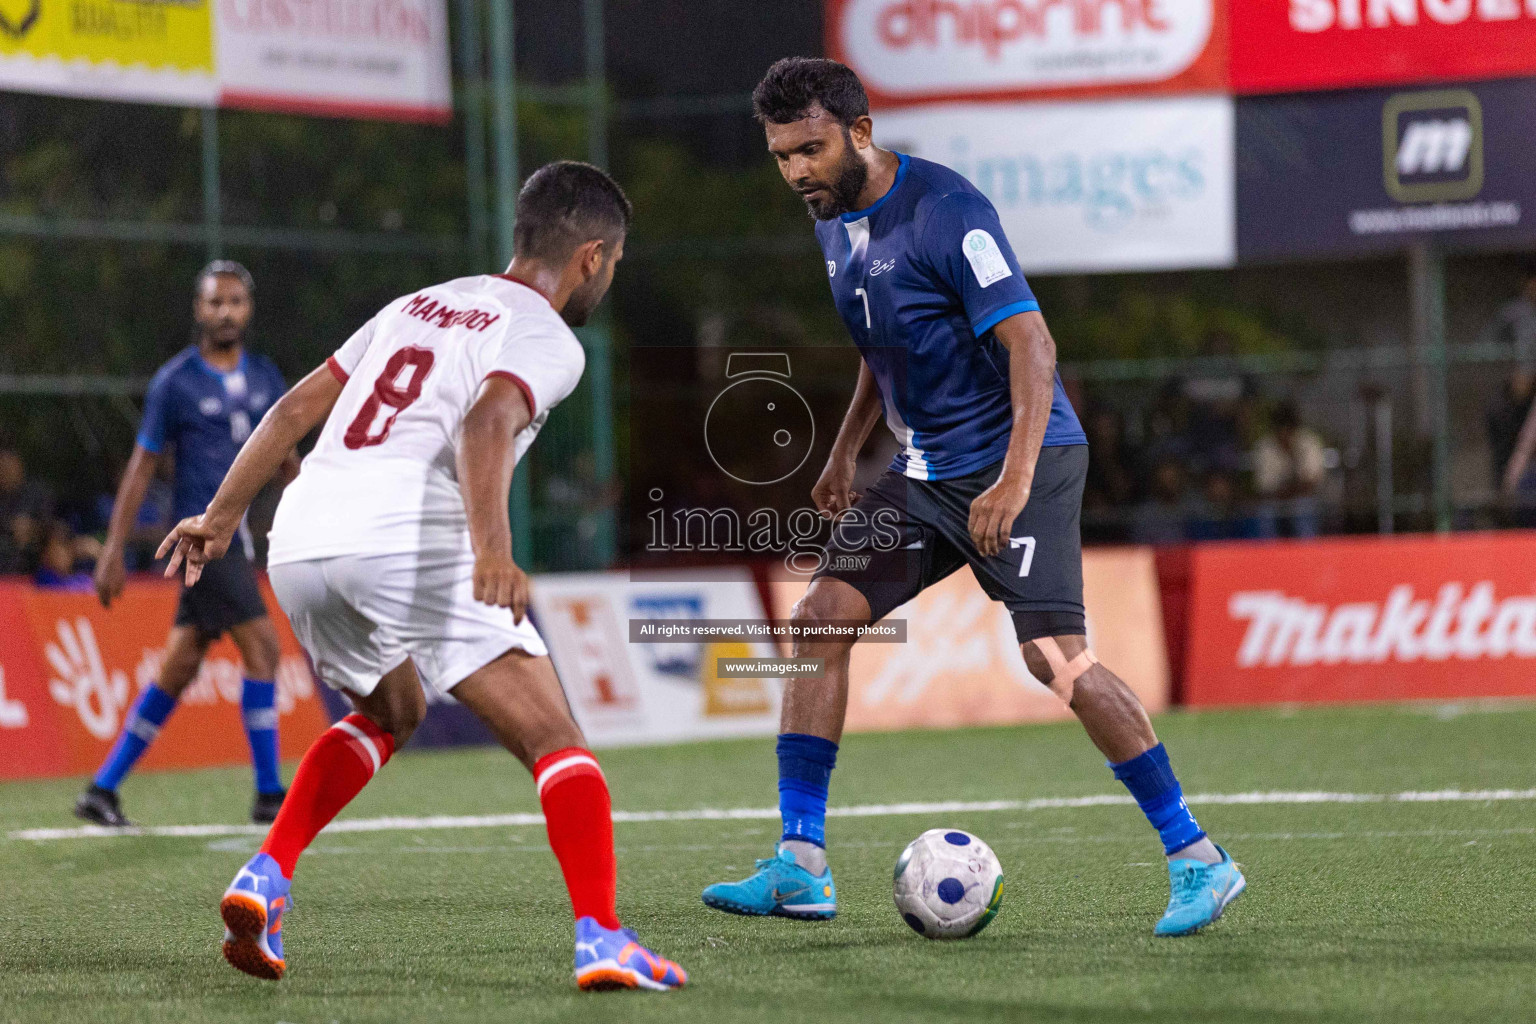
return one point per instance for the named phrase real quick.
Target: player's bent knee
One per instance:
(1051, 665)
(828, 602)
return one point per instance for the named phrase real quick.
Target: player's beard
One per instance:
(222, 342)
(843, 192)
(578, 308)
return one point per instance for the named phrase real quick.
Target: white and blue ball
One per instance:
(949, 884)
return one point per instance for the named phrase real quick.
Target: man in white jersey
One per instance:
(392, 555)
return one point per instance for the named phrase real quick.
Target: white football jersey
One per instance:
(383, 478)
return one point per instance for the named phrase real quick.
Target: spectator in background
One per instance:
(1218, 514)
(1289, 463)
(1214, 403)
(1161, 517)
(1167, 437)
(1111, 480)
(63, 558)
(1515, 324)
(1506, 415)
(151, 525)
(1517, 482)
(25, 506)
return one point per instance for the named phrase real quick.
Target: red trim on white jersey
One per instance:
(336, 371)
(525, 284)
(533, 407)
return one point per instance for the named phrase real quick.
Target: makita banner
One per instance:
(1363, 619)
(1352, 173)
(912, 51)
(1292, 45)
(1112, 185)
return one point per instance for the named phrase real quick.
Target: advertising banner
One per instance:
(1352, 173)
(961, 665)
(69, 671)
(1295, 45)
(1102, 186)
(1363, 619)
(630, 693)
(353, 58)
(914, 51)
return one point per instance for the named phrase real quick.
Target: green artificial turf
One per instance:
(1400, 911)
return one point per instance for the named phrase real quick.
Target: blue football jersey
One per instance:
(921, 278)
(206, 415)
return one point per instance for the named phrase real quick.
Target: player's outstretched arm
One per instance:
(1032, 384)
(486, 456)
(833, 492)
(203, 538)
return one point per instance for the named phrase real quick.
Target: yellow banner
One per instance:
(157, 35)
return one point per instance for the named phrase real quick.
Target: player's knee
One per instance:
(263, 658)
(406, 713)
(181, 665)
(1061, 663)
(819, 607)
(399, 712)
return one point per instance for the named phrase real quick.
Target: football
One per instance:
(948, 884)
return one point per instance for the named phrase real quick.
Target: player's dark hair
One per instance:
(229, 267)
(565, 204)
(796, 84)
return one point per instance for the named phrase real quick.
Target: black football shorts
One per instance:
(905, 535)
(225, 595)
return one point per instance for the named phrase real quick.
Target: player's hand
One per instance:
(196, 540)
(110, 578)
(499, 582)
(993, 513)
(833, 494)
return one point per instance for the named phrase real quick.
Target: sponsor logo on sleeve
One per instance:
(986, 259)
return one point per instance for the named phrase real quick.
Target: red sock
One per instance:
(334, 770)
(579, 816)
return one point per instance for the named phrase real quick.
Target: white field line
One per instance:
(437, 822)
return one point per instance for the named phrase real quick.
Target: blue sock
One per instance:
(258, 710)
(1150, 779)
(805, 771)
(143, 724)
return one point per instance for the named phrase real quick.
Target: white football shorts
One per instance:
(361, 616)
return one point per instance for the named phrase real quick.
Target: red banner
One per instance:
(69, 671)
(1363, 619)
(1296, 45)
(917, 51)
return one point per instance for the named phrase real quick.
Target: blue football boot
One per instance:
(252, 909)
(1200, 893)
(612, 959)
(780, 887)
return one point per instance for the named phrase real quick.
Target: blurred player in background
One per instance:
(201, 406)
(991, 474)
(392, 555)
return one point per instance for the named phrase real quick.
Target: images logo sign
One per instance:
(1432, 146)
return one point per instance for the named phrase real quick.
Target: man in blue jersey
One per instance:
(957, 356)
(201, 405)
